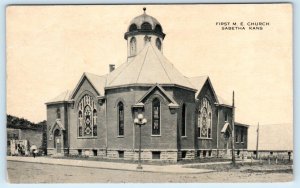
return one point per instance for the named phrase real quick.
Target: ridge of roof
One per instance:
(144, 68)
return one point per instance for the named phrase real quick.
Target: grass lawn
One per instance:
(260, 167)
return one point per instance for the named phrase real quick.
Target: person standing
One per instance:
(33, 152)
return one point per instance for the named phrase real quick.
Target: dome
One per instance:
(144, 24)
(142, 19)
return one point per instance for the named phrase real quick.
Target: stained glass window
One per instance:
(155, 117)
(87, 117)
(121, 119)
(205, 119)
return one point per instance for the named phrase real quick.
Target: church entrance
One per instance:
(57, 141)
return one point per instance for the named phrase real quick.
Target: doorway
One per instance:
(57, 141)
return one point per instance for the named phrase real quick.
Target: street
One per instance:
(23, 172)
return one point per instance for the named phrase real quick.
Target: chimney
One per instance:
(111, 67)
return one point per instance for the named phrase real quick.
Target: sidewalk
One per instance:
(110, 165)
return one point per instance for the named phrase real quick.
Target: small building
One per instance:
(186, 117)
(19, 140)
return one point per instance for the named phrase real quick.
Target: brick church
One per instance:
(186, 119)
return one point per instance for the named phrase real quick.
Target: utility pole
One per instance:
(257, 137)
(232, 131)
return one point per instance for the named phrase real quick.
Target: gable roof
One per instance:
(199, 81)
(59, 125)
(173, 103)
(97, 82)
(148, 67)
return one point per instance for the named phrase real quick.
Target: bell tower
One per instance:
(143, 29)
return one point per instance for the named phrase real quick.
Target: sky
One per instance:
(49, 48)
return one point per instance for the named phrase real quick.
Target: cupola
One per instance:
(142, 30)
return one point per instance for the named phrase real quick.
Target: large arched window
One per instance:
(205, 119)
(132, 46)
(146, 26)
(156, 117)
(132, 27)
(158, 43)
(87, 117)
(183, 119)
(120, 119)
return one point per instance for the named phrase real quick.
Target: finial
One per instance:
(144, 9)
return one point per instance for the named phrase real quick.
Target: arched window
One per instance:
(156, 117)
(158, 28)
(132, 46)
(132, 27)
(158, 43)
(87, 117)
(120, 119)
(183, 114)
(58, 113)
(146, 26)
(205, 119)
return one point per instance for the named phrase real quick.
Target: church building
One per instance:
(186, 119)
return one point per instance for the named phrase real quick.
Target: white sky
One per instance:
(49, 47)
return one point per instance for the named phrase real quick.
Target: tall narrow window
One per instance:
(183, 127)
(158, 43)
(80, 123)
(121, 119)
(242, 136)
(58, 113)
(236, 135)
(226, 117)
(156, 117)
(132, 46)
(205, 119)
(87, 126)
(94, 122)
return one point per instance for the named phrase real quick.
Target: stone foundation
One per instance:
(145, 155)
(186, 154)
(169, 155)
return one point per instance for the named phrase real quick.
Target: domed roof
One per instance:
(144, 24)
(139, 20)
